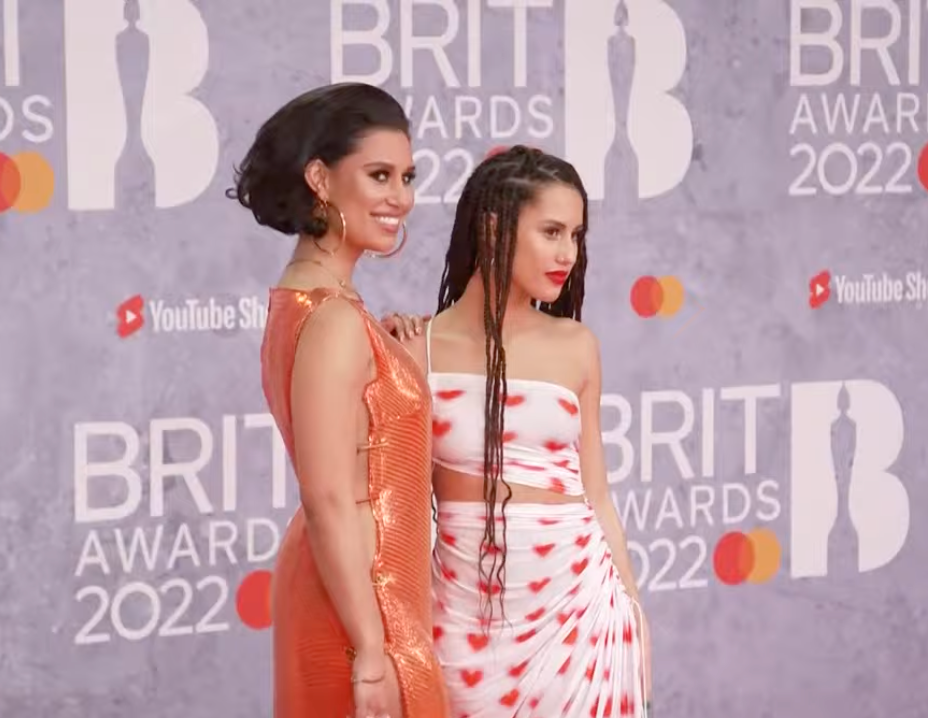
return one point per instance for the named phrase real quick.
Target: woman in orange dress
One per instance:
(351, 605)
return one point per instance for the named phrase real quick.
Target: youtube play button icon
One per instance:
(819, 289)
(130, 316)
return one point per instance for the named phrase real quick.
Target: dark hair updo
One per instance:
(325, 124)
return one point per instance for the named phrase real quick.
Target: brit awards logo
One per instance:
(658, 126)
(136, 133)
(478, 74)
(695, 512)
(857, 127)
(849, 511)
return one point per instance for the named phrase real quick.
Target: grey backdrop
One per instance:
(713, 140)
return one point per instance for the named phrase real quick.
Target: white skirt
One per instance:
(568, 644)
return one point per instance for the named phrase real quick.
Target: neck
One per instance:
(341, 264)
(518, 304)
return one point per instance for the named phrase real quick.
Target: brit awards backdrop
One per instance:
(758, 281)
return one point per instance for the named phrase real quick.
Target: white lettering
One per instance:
(728, 503)
(618, 436)
(879, 45)
(497, 103)
(869, 289)
(540, 107)
(110, 490)
(340, 38)
(649, 509)
(41, 120)
(226, 543)
(827, 40)
(916, 287)
(161, 467)
(858, 42)
(435, 45)
(85, 470)
(138, 543)
(11, 53)
(767, 497)
(183, 547)
(253, 552)
(92, 554)
(409, 43)
(672, 439)
(750, 395)
(520, 10)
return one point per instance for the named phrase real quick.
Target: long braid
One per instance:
(484, 239)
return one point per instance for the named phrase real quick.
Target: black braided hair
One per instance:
(483, 240)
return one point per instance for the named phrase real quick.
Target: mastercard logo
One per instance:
(752, 557)
(657, 296)
(27, 182)
(923, 167)
(253, 600)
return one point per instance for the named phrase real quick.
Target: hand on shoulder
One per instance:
(409, 330)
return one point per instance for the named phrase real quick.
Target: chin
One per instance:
(382, 247)
(548, 297)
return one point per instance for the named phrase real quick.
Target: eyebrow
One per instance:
(386, 165)
(560, 225)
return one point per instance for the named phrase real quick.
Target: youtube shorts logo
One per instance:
(819, 289)
(130, 316)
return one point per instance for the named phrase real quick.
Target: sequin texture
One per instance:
(312, 658)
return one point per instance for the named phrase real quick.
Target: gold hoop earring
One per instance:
(344, 233)
(393, 252)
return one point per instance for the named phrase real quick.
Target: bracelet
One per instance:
(355, 679)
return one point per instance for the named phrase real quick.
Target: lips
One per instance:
(558, 278)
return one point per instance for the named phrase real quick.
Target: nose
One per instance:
(401, 197)
(567, 253)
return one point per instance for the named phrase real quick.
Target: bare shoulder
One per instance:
(335, 335)
(571, 336)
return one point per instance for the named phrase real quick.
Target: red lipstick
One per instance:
(559, 278)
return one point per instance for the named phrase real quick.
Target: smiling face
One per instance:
(372, 187)
(549, 233)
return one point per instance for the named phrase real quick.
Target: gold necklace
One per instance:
(343, 283)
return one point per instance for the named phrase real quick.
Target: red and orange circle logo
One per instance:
(253, 600)
(27, 182)
(660, 296)
(753, 557)
(923, 167)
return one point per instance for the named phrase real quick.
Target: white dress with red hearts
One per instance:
(567, 641)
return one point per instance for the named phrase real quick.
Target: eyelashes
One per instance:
(383, 176)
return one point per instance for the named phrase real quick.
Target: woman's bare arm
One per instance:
(593, 472)
(331, 369)
(593, 463)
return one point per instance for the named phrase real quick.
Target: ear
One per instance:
(316, 175)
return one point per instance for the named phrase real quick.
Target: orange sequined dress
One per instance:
(312, 668)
